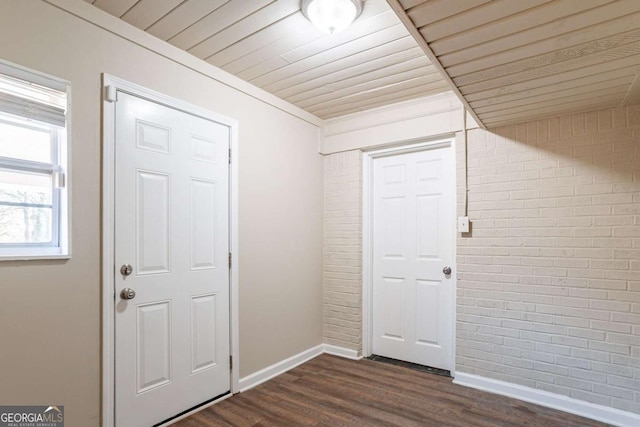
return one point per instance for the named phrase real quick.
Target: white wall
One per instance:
(429, 117)
(50, 310)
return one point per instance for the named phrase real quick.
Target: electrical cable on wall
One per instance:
(466, 158)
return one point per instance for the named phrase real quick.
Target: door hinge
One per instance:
(230, 362)
(110, 94)
(229, 260)
(229, 155)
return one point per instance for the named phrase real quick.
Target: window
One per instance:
(33, 165)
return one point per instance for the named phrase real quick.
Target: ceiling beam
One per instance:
(633, 95)
(408, 23)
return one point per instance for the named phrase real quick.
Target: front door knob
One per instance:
(127, 293)
(126, 269)
(447, 270)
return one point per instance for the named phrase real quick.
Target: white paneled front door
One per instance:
(171, 249)
(412, 230)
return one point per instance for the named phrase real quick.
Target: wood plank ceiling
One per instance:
(272, 45)
(518, 60)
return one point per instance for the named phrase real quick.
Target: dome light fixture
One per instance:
(331, 16)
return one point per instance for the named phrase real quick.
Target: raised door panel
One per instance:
(428, 313)
(429, 170)
(393, 174)
(203, 149)
(428, 226)
(153, 137)
(153, 230)
(203, 224)
(393, 213)
(393, 311)
(203, 332)
(153, 356)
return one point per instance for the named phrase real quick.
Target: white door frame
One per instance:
(110, 86)
(367, 232)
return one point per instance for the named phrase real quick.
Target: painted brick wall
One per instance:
(343, 250)
(549, 279)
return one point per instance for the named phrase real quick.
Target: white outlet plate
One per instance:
(463, 224)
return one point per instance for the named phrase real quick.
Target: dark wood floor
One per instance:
(331, 391)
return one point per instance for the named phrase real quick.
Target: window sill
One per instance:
(33, 257)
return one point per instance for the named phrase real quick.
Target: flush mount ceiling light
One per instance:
(331, 16)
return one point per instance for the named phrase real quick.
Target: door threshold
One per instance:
(410, 365)
(193, 410)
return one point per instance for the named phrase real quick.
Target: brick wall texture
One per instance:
(549, 279)
(343, 250)
(548, 290)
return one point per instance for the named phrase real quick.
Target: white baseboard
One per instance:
(342, 352)
(281, 367)
(551, 400)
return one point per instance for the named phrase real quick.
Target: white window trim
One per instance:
(63, 249)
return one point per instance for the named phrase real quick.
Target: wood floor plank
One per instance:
(332, 391)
